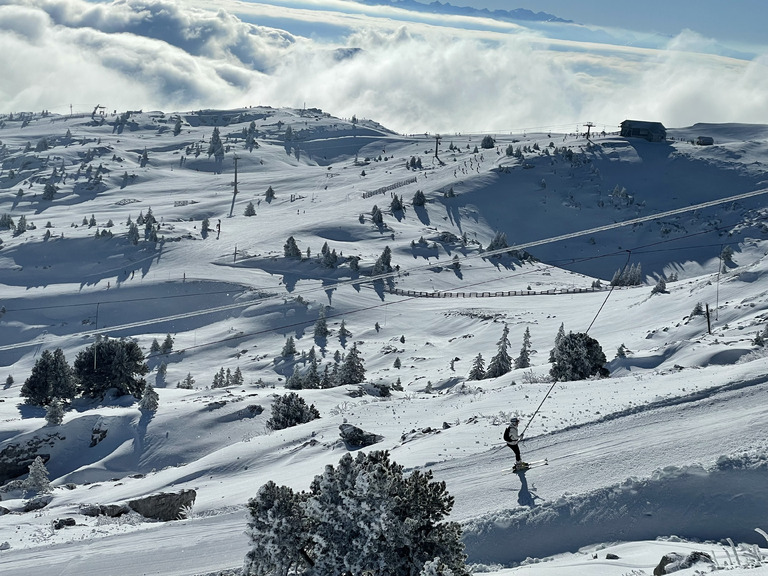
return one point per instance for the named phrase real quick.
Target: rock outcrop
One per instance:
(355, 437)
(165, 506)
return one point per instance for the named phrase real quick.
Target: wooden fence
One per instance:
(504, 293)
(385, 189)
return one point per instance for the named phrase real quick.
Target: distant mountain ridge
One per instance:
(447, 8)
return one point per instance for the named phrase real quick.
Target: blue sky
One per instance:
(733, 20)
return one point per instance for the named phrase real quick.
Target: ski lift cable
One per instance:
(613, 285)
(539, 407)
(546, 396)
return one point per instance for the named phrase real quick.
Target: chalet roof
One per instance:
(644, 123)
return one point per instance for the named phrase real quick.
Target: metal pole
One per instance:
(234, 194)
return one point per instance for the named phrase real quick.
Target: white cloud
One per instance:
(412, 77)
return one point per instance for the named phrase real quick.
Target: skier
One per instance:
(512, 437)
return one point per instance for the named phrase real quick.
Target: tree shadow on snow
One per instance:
(452, 210)
(423, 215)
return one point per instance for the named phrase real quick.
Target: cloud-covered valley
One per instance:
(413, 74)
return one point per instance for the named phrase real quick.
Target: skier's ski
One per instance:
(528, 466)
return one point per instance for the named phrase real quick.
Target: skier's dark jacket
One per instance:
(511, 435)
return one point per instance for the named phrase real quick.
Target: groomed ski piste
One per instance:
(668, 454)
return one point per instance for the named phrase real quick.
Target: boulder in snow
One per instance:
(37, 503)
(355, 437)
(165, 506)
(673, 562)
(60, 523)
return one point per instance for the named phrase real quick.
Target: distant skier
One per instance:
(512, 437)
(218, 229)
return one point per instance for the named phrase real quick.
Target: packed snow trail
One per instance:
(196, 546)
(583, 497)
(599, 459)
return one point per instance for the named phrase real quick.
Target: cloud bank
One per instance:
(410, 76)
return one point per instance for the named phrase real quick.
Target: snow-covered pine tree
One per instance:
(21, 225)
(419, 199)
(167, 344)
(376, 216)
(344, 333)
(435, 567)
(499, 241)
(216, 147)
(133, 233)
(38, 479)
(250, 210)
(295, 381)
(524, 360)
(289, 348)
(330, 258)
(325, 379)
(577, 357)
(478, 368)
(188, 382)
(558, 338)
(312, 377)
(150, 399)
(291, 249)
(219, 379)
(51, 377)
(291, 410)
(49, 191)
(390, 523)
(269, 194)
(321, 331)
(54, 413)
(352, 370)
(237, 377)
(501, 363)
(660, 288)
(383, 263)
(276, 529)
(154, 348)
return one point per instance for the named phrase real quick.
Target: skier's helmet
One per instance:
(515, 420)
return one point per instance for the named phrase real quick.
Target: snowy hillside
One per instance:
(670, 446)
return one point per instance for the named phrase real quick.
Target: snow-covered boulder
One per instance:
(355, 437)
(672, 562)
(165, 506)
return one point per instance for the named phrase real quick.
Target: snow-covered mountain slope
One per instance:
(672, 444)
